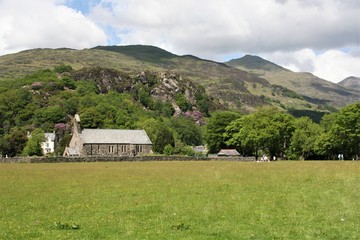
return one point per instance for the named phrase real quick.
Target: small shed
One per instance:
(228, 153)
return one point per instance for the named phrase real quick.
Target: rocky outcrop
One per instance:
(105, 79)
(164, 86)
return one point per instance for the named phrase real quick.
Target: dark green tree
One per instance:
(188, 132)
(47, 117)
(304, 139)
(14, 142)
(159, 134)
(268, 130)
(347, 130)
(327, 145)
(215, 130)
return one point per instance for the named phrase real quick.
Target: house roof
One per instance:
(200, 149)
(50, 136)
(114, 136)
(229, 152)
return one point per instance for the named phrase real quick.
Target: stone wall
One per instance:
(117, 159)
(116, 149)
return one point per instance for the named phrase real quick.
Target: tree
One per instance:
(215, 129)
(189, 133)
(91, 118)
(33, 145)
(47, 117)
(159, 134)
(12, 102)
(13, 142)
(327, 145)
(347, 130)
(245, 134)
(266, 130)
(304, 138)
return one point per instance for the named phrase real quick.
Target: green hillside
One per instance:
(241, 84)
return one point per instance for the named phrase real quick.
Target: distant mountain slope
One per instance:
(141, 52)
(313, 89)
(351, 83)
(254, 62)
(241, 84)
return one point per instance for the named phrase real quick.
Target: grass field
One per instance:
(180, 200)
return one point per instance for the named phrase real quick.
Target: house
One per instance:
(107, 142)
(49, 145)
(228, 153)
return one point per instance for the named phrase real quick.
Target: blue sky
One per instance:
(317, 36)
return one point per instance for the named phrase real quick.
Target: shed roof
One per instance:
(229, 152)
(114, 136)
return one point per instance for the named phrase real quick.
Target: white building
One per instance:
(49, 145)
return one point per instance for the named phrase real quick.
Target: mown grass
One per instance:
(180, 200)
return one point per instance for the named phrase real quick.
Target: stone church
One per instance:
(107, 142)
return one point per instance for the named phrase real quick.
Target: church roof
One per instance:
(114, 136)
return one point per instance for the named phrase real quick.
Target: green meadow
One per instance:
(180, 200)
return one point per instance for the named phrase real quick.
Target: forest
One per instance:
(46, 100)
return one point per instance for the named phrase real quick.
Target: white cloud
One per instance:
(332, 65)
(318, 36)
(335, 65)
(302, 34)
(44, 23)
(218, 27)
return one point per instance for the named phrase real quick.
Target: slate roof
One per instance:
(114, 136)
(228, 152)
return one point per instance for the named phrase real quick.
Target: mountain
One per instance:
(254, 62)
(240, 84)
(311, 88)
(351, 83)
(141, 52)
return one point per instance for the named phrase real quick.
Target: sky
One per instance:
(317, 36)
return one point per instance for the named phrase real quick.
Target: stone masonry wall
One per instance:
(116, 159)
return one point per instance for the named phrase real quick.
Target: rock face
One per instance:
(164, 86)
(105, 79)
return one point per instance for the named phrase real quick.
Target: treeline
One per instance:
(46, 101)
(280, 135)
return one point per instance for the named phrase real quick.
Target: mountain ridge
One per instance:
(351, 83)
(242, 85)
